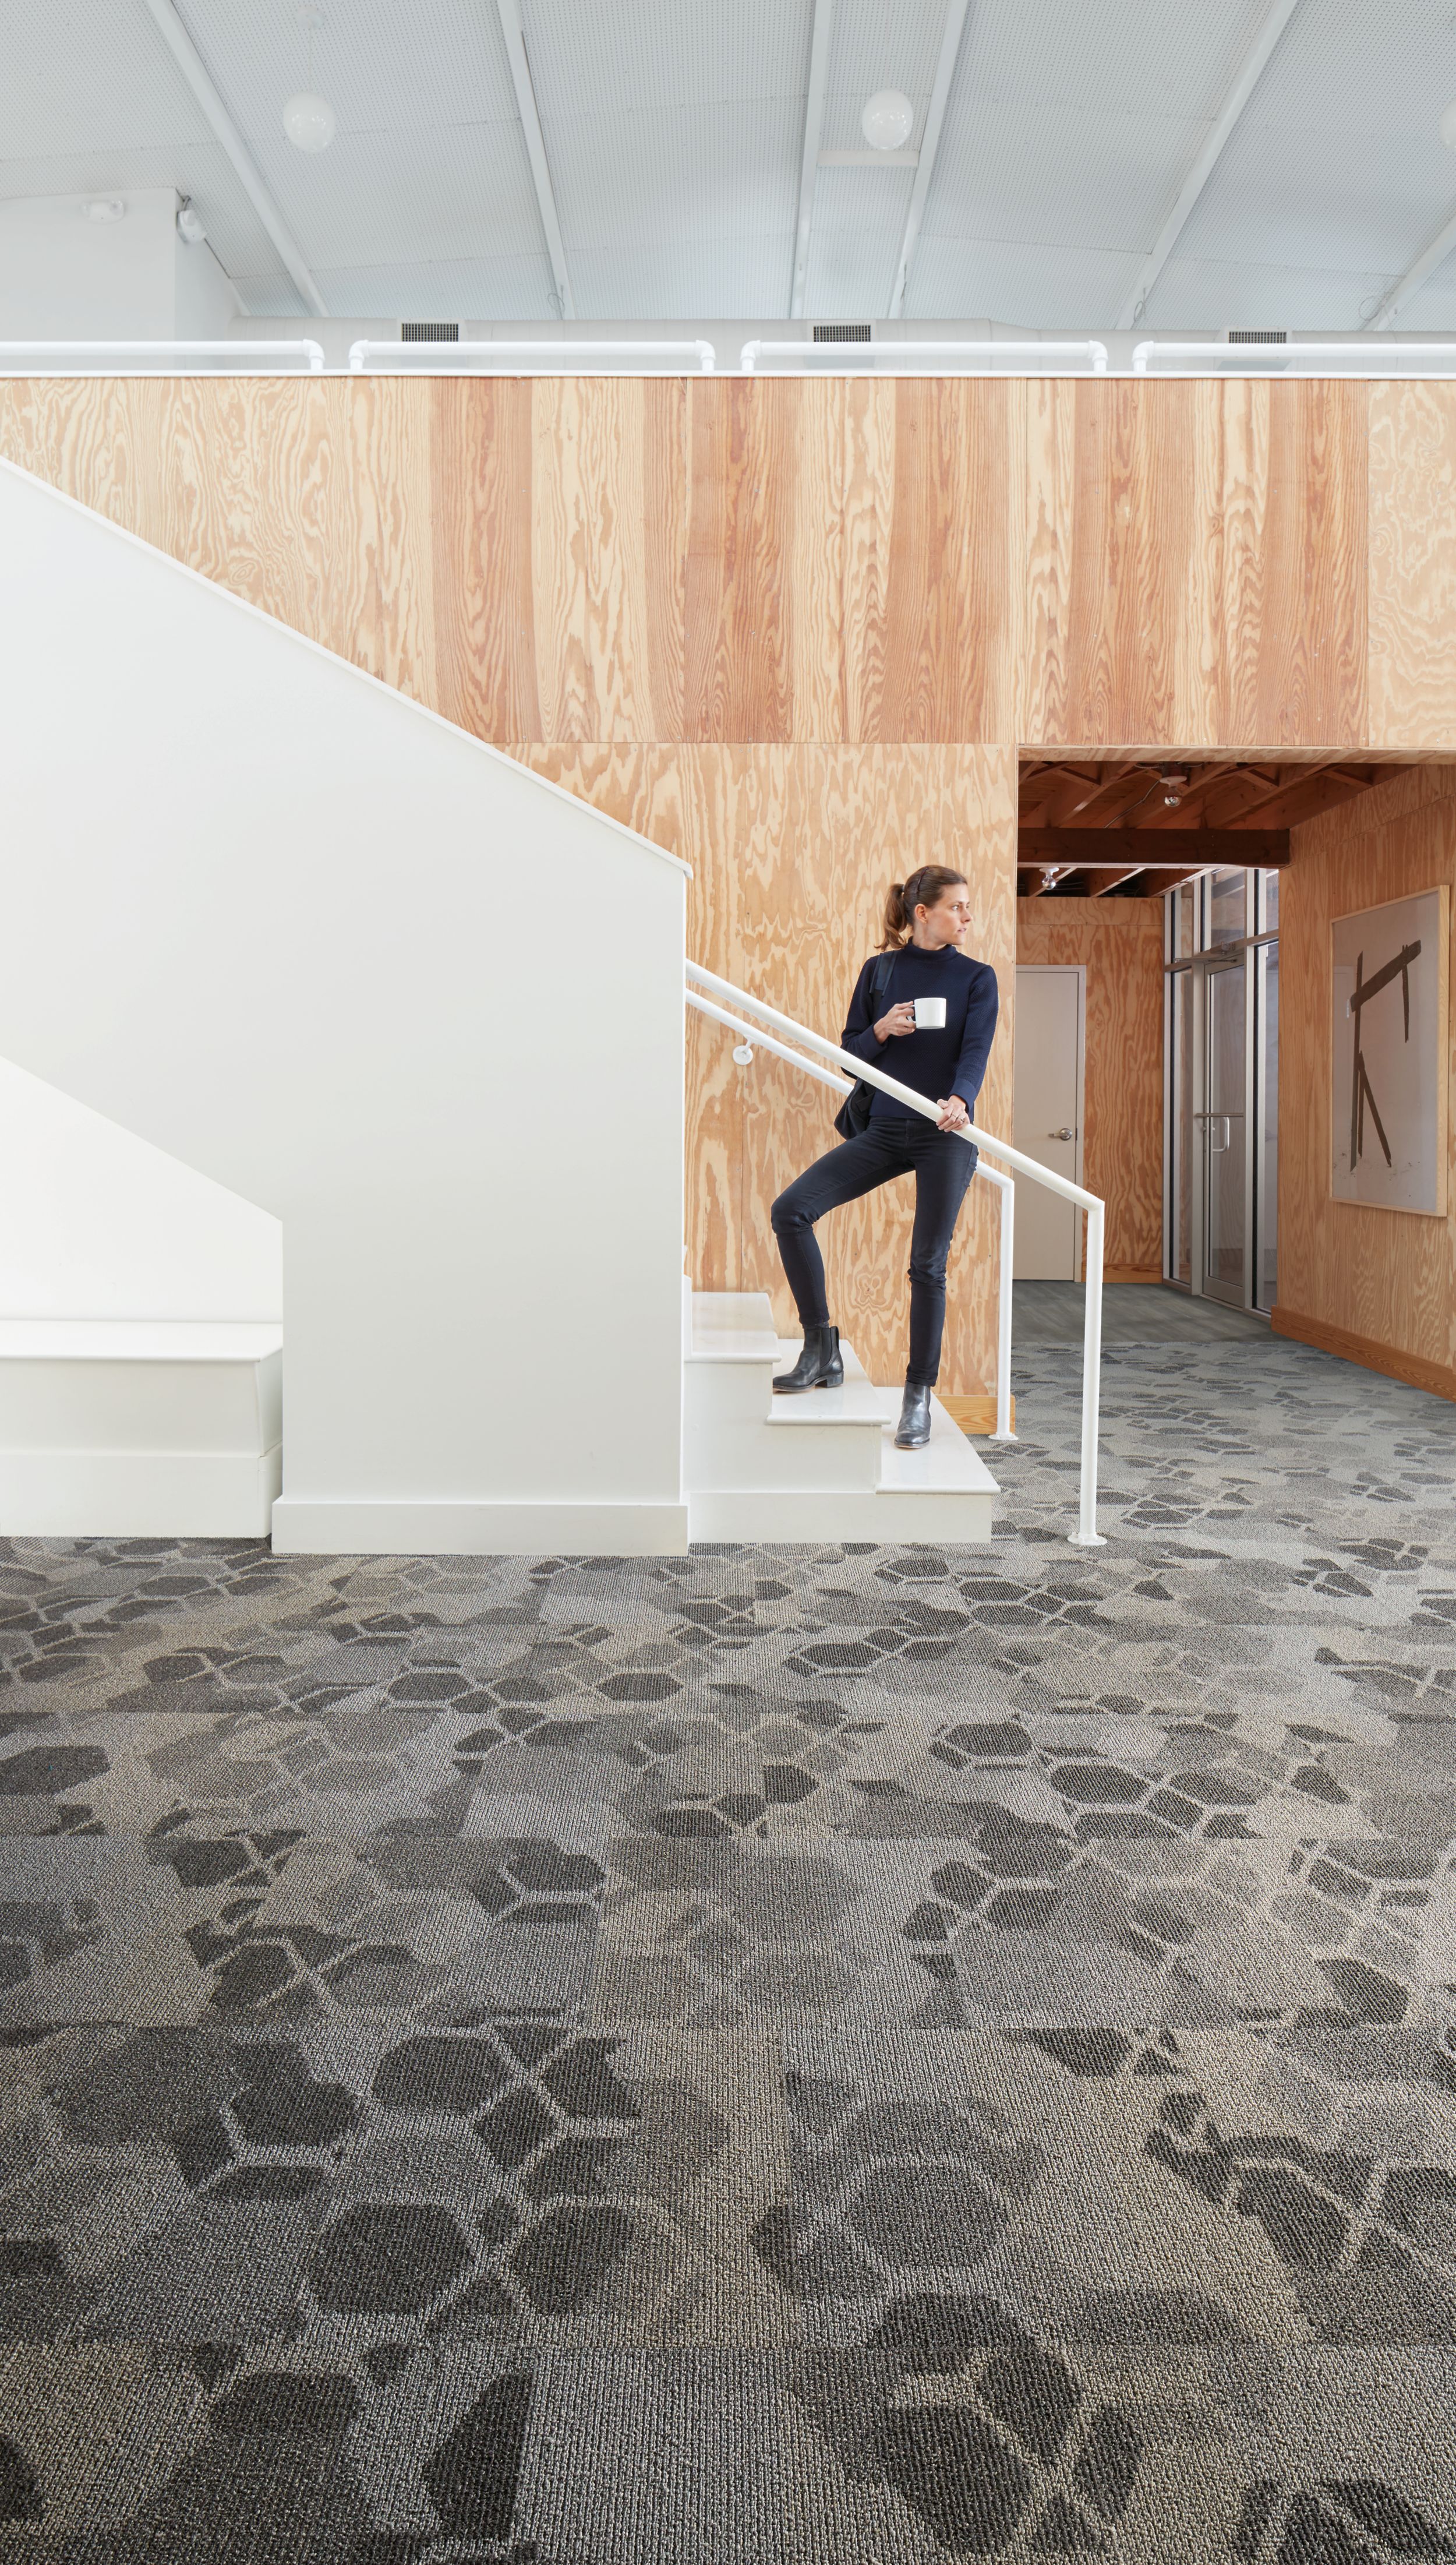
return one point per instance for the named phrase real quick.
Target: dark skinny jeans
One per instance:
(943, 1167)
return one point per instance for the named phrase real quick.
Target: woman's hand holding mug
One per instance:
(896, 1020)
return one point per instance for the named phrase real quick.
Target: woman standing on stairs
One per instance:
(927, 1014)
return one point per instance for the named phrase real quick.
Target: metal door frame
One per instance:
(1242, 953)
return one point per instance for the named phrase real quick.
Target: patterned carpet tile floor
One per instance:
(866, 2055)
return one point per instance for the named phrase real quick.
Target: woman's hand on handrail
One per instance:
(896, 1020)
(953, 1113)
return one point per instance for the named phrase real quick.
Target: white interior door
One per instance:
(1048, 1117)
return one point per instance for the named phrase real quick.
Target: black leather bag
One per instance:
(854, 1112)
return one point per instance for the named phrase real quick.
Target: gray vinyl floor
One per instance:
(836, 2055)
(1133, 1313)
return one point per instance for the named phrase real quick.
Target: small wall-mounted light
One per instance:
(190, 224)
(104, 209)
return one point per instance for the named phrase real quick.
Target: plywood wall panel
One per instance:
(481, 538)
(1195, 557)
(1413, 566)
(1118, 942)
(871, 558)
(1387, 1276)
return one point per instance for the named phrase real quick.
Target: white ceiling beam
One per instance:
(954, 28)
(195, 73)
(535, 151)
(1245, 81)
(1437, 250)
(821, 29)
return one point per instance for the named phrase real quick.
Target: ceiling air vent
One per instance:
(1258, 339)
(432, 333)
(841, 334)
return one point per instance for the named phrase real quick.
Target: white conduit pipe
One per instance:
(1087, 1536)
(1005, 1190)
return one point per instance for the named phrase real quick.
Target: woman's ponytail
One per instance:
(897, 919)
(924, 888)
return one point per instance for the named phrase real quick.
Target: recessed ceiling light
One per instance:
(104, 209)
(887, 120)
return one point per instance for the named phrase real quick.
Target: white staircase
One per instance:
(818, 1467)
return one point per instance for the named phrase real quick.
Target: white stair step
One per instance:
(857, 1402)
(734, 1326)
(820, 1465)
(138, 1428)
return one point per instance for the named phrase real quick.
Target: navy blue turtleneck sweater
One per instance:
(937, 1064)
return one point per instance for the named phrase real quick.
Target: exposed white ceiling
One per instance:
(674, 134)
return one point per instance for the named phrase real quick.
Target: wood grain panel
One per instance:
(1413, 565)
(481, 512)
(931, 600)
(1197, 560)
(1119, 944)
(882, 560)
(783, 901)
(1386, 1276)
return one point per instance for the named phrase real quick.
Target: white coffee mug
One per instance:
(930, 1015)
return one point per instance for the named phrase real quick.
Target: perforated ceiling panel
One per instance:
(674, 132)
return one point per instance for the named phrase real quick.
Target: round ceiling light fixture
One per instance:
(308, 119)
(104, 209)
(1448, 127)
(887, 120)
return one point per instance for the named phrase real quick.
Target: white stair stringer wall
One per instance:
(372, 976)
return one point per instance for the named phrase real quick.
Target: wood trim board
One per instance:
(1439, 1379)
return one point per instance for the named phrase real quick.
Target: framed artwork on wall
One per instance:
(1390, 1055)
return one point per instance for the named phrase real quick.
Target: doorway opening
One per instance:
(1157, 874)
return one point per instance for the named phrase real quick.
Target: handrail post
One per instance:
(1006, 1201)
(1087, 1536)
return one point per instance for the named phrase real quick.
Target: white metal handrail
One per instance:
(531, 356)
(1087, 1536)
(1004, 1185)
(122, 357)
(1297, 357)
(921, 356)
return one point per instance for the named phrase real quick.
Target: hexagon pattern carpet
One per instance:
(847, 2056)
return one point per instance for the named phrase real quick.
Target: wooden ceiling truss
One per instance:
(1132, 827)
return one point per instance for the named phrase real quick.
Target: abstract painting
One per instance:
(1388, 1100)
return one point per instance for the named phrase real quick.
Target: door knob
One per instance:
(1065, 1133)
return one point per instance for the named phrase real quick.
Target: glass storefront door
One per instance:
(1222, 1068)
(1225, 1136)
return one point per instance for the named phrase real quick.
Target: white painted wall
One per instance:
(373, 977)
(64, 277)
(105, 1226)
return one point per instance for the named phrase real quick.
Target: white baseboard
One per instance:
(138, 1495)
(466, 1528)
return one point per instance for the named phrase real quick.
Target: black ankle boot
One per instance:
(819, 1366)
(914, 1428)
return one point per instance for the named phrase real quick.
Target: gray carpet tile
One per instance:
(1133, 1313)
(853, 2055)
